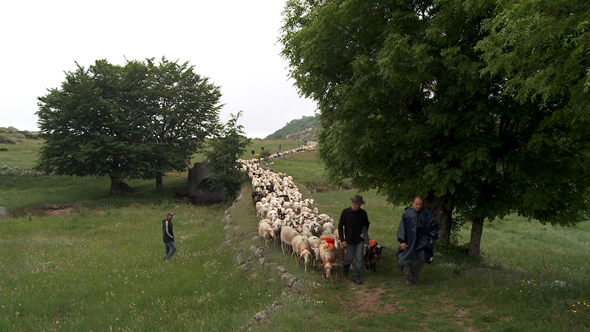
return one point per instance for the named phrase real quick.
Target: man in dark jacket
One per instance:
(168, 236)
(350, 229)
(416, 234)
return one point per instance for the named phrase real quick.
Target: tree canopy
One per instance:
(139, 120)
(408, 105)
(226, 146)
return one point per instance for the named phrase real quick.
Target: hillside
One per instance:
(297, 129)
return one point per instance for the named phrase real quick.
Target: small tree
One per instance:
(222, 157)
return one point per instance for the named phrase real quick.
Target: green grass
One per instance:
(305, 169)
(105, 269)
(34, 194)
(98, 264)
(23, 154)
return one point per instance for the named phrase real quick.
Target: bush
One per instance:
(6, 140)
(264, 154)
(29, 134)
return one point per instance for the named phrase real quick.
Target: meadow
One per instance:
(75, 258)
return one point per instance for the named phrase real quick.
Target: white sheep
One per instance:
(328, 228)
(265, 231)
(328, 257)
(287, 235)
(315, 228)
(314, 243)
(301, 249)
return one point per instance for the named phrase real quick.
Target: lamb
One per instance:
(265, 231)
(301, 249)
(314, 243)
(328, 257)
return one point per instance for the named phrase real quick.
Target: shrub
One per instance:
(264, 154)
(6, 140)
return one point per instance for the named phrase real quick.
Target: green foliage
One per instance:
(225, 148)
(183, 111)
(264, 154)
(294, 126)
(139, 120)
(541, 48)
(406, 110)
(6, 140)
(100, 266)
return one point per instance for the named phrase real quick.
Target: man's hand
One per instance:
(403, 245)
(343, 244)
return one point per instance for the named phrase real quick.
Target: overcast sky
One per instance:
(233, 42)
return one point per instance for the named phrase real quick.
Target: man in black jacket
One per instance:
(350, 229)
(168, 236)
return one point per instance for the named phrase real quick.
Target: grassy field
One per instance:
(78, 259)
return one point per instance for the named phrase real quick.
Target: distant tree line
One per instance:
(294, 126)
(14, 132)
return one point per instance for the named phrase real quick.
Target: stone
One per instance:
(4, 212)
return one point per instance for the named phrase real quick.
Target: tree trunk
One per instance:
(443, 215)
(114, 185)
(160, 184)
(475, 242)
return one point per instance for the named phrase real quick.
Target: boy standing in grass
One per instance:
(168, 235)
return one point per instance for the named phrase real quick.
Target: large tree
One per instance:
(183, 111)
(121, 121)
(405, 108)
(86, 125)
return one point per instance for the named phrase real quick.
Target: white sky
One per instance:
(233, 42)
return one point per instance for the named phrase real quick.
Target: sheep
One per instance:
(315, 228)
(328, 228)
(305, 209)
(314, 243)
(309, 203)
(301, 249)
(287, 235)
(272, 215)
(276, 228)
(265, 231)
(328, 257)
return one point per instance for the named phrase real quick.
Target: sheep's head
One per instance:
(316, 252)
(306, 254)
(328, 268)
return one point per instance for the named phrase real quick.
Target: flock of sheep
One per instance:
(291, 221)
